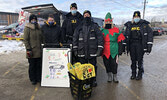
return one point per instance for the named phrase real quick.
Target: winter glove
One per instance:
(149, 48)
(75, 53)
(120, 48)
(29, 53)
(99, 52)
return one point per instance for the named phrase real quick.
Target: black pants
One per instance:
(110, 64)
(91, 61)
(136, 54)
(35, 67)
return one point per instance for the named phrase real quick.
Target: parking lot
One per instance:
(15, 85)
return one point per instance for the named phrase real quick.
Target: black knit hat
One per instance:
(87, 11)
(136, 14)
(32, 16)
(73, 5)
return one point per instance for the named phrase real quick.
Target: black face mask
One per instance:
(108, 26)
(87, 20)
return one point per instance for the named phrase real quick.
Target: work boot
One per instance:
(139, 76)
(33, 83)
(133, 76)
(109, 77)
(115, 78)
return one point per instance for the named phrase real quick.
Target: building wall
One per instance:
(8, 18)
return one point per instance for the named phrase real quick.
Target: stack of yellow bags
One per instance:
(82, 71)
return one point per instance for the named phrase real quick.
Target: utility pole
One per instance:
(144, 8)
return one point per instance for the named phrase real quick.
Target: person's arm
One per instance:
(27, 38)
(99, 37)
(75, 39)
(149, 39)
(63, 31)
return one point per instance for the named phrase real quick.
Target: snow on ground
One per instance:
(9, 46)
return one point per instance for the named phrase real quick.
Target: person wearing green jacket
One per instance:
(33, 39)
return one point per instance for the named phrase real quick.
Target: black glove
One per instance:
(120, 48)
(76, 53)
(149, 48)
(29, 53)
(99, 52)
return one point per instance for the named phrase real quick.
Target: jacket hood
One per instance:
(144, 21)
(32, 26)
(78, 14)
(128, 23)
(141, 21)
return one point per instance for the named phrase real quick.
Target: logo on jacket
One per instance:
(135, 28)
(73, 21)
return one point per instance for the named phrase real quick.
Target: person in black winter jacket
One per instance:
(73, 19)
(51, 32)
(88, 41)
(139, 39)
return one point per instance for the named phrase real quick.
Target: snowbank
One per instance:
(8, 46)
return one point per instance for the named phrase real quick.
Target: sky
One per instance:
(121, 10)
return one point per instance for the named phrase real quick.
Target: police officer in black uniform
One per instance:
(88, 41)
(139, 39)
(73, 19)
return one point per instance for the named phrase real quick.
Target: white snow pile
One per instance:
(8, 46)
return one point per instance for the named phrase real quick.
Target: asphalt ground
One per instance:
(15, 84)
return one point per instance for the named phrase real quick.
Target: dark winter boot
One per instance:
(139, 76)
(109, 77)
(33, 83)
(115, 78)
(133, 76)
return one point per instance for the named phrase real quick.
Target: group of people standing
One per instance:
(89, 42)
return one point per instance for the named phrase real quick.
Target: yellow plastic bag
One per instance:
(71, 69)
(85, 71)
(76, 65)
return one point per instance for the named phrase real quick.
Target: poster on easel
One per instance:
(54, 67)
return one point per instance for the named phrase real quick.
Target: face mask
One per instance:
(73, 11)
(136, 20)
(33, 22)
(108, 26)
(51, 23)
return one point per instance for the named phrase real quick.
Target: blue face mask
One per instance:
(136, 20)
(51, 23)
(33, 22)
(73, 11)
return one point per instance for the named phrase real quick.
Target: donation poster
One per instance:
(54, 67)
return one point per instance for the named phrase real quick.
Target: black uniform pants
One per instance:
(110, 64)
(136, 54)
(35, 67)
(92, 61)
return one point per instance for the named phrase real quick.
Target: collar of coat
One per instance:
(129, 23)
(31, 26)
(48, 23)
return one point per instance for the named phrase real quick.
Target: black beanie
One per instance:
(136, 14)
(32, 17)
(73, 5)
(87, 11)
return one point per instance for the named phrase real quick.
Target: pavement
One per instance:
(15, 84)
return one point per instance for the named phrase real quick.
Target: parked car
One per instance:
(164, 30)
(157, 31)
